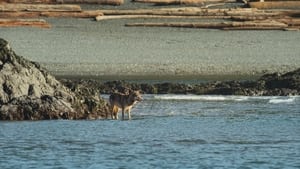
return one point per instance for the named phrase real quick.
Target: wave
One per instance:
(269, 99)
(199, 97)
(290, 99)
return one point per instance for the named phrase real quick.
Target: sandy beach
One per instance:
(108, 49)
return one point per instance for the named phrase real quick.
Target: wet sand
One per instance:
(108, 49)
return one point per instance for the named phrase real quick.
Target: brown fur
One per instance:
(123, 101)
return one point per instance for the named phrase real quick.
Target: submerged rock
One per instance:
(29, 92)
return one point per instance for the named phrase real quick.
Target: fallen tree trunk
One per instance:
(257, 18)
(40, 23)
(217, 13)
(192, 11)
(182, 2)
(82, 14)
(214, 25)
(100, 18)
(290, 21)
(276, 5)
(38, 8)
(254, 28)
(253, 12)
(31, 1)
(19, 14)
(103, 2)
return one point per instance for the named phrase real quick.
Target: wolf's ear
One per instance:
(126, 91)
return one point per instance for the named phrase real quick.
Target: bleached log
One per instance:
(38, 8)
(31, 1)
(103, 2)
(40, 23)
(290, 21)
(212, 25)
(191, 11)
(276, 5)
(82, 14)
(258, 17)
(19, 14)
(110, 17)
(254, 28)
(182, 2)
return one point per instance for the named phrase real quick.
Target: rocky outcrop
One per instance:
(29, 92)
(268, 85)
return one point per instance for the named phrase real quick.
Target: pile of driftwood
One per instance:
(233, 19)
(28, 13)
(22, 14)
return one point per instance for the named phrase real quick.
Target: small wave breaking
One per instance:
(269, 99)
(279, 100)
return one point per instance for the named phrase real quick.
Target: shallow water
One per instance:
(167, 131)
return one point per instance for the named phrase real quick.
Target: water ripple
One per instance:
(191, 141)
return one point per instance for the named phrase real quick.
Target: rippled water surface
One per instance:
(167, 131)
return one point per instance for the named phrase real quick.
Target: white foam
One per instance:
(269, 99)
(279, 100)
(201, 97)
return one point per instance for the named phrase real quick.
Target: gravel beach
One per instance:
(108, 49)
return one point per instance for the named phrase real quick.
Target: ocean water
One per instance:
(167, 131)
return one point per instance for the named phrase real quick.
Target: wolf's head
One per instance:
(135, 96)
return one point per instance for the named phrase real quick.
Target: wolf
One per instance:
(124, 101)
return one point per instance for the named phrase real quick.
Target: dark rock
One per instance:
(270, 84)
(29, 92)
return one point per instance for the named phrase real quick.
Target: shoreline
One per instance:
(150, 79)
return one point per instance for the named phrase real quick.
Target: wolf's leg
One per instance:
(129, 114)
(123, 114)
(114, 114)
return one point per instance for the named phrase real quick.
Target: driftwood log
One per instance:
(81, 14)
(183, 2)
(276, 5)
(104, 2)
(31, 1)
(217, 25)
(194, 11)
(40, 23)
(185, 11)
(38, 8)
(110, 17)
(19, 14)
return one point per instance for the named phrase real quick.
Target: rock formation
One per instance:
(29, 92)
(268, 85)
